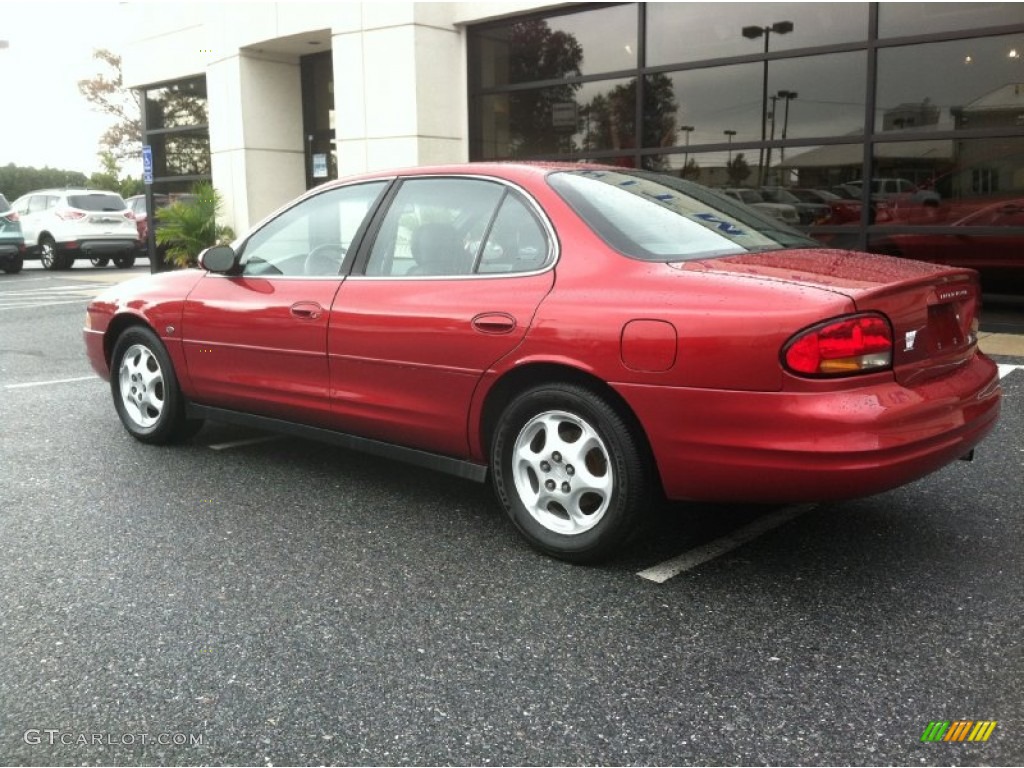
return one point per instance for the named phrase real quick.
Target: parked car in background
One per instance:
(12, 241)
(822, 196)
(896, 190)
(783, 212)
(588, 338)
(808, 212)
(137, 205)
(61, 225)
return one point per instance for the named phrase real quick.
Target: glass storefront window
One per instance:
(817, 96)
(557, 47)
(181, 104)
(684, 32)
(560, 120)
(975, 83)
(900, 19)
(181, 154)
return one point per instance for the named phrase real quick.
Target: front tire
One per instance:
(145, 390)
(48, 253)
(124, 262)
(100, 261)
(570, 472)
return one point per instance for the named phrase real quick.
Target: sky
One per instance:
(44, 120)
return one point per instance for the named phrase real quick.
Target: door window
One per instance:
(312, 238)
(454, 227)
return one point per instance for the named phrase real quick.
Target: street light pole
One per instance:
(687, 129)
(752, 33)
(788, 96)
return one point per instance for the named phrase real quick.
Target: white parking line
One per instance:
(1005, 370)
(52, 381)
(45, 304)
(689, 560)
(240, 443)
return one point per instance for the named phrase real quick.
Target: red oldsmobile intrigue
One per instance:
(591, 338)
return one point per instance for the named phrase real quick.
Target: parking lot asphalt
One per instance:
(246, 599)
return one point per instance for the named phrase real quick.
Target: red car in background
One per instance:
(972, 246)
(137, 205)
(591, 339)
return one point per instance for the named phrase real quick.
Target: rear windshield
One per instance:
(654, 217)
(4, 205)
(97, 202)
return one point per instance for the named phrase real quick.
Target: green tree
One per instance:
(187, 227)
(539, 53)
(738, 170)
(106, 92)
(16, 180)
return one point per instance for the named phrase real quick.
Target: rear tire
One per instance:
(124, 262)
(145, 389)
(100, 261)
(570, 472)
(14, 266)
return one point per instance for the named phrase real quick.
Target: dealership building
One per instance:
(269, 99)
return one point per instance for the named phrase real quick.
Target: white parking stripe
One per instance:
(1005, 370)
(45, 304)
(240, 443)
(688, 560)
(53, 381)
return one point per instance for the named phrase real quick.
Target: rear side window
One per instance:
(97, 202)
(653, 217)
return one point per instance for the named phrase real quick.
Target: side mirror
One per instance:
(219, 258)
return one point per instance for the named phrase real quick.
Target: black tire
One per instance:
(570, 472)
(145, 390)
(48, 253)
(100, 261)
(14, 265)
(125, 262)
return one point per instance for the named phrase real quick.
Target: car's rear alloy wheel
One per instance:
(570, 472)
(145, 389)
(100, 261)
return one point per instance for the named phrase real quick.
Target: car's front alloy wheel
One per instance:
(145, 389)
(48, 253)
(570, 472)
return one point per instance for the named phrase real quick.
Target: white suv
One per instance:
(62, 224)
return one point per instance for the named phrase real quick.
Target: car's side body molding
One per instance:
(467, 470)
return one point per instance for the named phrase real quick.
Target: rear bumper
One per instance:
(715, 445)
(103, 247)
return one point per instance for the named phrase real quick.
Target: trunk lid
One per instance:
(933, 308)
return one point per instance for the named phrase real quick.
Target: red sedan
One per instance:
(589, 338)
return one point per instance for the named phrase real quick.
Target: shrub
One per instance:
(186, 228)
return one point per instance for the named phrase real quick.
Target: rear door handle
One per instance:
(494, 323)
(306, 310)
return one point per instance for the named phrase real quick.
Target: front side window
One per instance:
(312, 238)
(448, 227)
(660, 218)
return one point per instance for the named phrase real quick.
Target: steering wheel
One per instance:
(324, 260)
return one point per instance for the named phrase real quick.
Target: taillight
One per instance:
(129, 215)
(11, 216)
(69, 214)
(841, 347)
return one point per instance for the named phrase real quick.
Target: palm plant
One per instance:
(185, 228)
